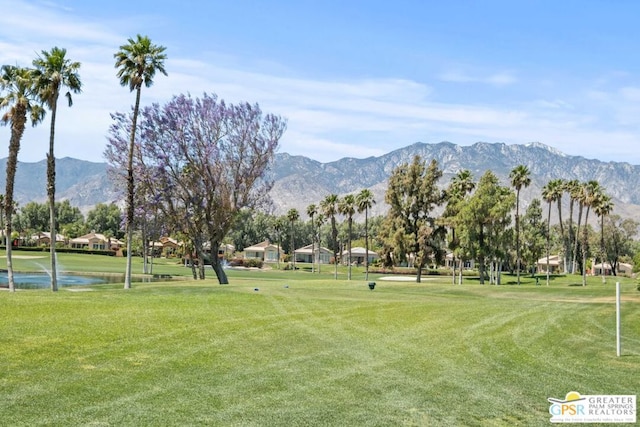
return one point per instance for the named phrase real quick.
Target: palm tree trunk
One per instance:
(17, 129)
(51, 191)
(602, 251)
(293, 253)
(131, 190)
(577, 237)
(349, 249)
(584, 248)
(313, 248)
(366, 244)
(518, 236)
(319, 249)
(567, 243)
(334, 235)
(562, 236)
(548, 240)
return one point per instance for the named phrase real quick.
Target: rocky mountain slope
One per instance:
(83, 183)
(300, 181)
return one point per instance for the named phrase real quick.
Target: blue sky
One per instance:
(357, 78)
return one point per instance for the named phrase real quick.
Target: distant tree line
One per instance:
(33, 218)
(469, 220)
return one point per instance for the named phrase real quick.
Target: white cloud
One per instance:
(502, 78)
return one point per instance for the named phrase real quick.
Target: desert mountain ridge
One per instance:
(300, 181)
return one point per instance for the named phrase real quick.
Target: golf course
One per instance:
(296, 348)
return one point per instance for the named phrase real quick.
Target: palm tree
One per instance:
(293, 215)
(580, 194)
(520, 177)
(18, 95)
(279, 225)
(347, 207)
(53, 71)
(312, 211)
(558, 188)
(602, 207)
(137, 63)
(329, 206)
(591, 190)
(318, 225)
(573, 188)
(551, 193)
(365, 201)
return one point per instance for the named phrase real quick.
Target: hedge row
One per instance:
(63, 250)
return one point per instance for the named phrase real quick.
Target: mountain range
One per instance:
(300, 181)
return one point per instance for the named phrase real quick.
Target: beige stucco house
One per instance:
(358, 255)
(555, 262)
(311, 253)
(96, 241)
(623, 269)
(44, 238)
(264, 251)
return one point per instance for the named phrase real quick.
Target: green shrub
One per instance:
(252, 262)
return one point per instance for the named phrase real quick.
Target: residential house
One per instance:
(44, 238)
(358, 255)
(224, 249)
(555, 261)
(170, 246)
(96, 241)
(264, 251)
(623, 269)
(311, 253)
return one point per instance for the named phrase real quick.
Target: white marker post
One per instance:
(618, 340)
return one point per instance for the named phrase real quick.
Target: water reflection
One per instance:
(43, 280)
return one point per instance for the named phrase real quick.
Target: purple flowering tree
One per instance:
(202, 160)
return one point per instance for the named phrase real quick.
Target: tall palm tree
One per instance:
(592, 189)
(559, 192)
(573, 188)
(19, 97)
(329, 206)
(365, 201)
(279, 224)
(53, 70)
(137, 62)
(347, 207)
(602, 207)
(318, 225)
(520, 177)
(551, 193)
(580, 194)
(312, 211)
(293, 215)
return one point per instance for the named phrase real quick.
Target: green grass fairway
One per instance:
(83, 263)
(301, 352)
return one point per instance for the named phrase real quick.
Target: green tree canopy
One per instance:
(412, 229)
(484, 220)
(106, 219)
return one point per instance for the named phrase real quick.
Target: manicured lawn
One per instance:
(305, 349)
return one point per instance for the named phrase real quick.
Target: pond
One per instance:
(43, 280)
